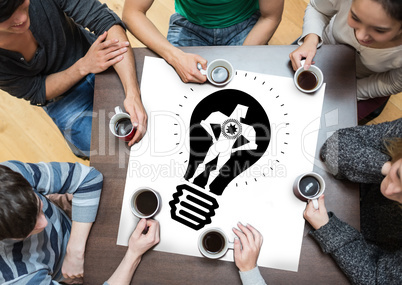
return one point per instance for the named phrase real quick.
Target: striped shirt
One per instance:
(38, 259)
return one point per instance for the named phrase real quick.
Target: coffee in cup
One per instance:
(309, 186)
(309, 80)
(123, 127)
(219, 72)
(120, 125)
(145, 202)
(213, 243)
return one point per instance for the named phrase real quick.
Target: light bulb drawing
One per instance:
(229, 132)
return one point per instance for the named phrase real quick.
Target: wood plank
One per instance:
(392, 111)
(28, 134)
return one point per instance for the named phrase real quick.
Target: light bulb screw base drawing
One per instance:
(192, 207)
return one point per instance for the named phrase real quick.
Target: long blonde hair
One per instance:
(394, 148)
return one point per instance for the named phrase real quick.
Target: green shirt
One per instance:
(215, 13)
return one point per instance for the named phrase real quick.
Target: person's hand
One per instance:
(145, 236)
(185, 65)
(316, 218)
(73, 265)
(307, 50)
(246, 247)
(139, 118)
(102, 54)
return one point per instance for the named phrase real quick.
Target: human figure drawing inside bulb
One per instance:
(192, 204)
(223, 145)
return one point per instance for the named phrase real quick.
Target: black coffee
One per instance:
(123, 127)
(307, 80)
(309, 186)
(213, 242)
(146, 203)
(219, 74)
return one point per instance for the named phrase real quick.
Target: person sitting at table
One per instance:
(203, 23)
(365, 154)
(49, 58)
(247, 247)
(39, 243)
(373, 28)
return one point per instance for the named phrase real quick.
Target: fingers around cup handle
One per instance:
(203, 71)
(315, 203)
(118, 110)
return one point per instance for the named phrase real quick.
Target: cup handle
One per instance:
(230, 245)
(203, 71)
(315, 203)
(118, 110)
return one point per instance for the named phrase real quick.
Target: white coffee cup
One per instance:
(308, 81)
(118, 118)
(309, 186)
(219, 72)
(213, 243)
(145, 202)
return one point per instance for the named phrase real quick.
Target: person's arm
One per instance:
(101, 55)
(247, 247)
(138, 244)
(362, 263)
(380, 84)
(264, 29)
(317, 16)
(104, 52)
(358, 153)
(185, 64)
(307, 50)
(128, 76)
(84, 182)
(73, 264)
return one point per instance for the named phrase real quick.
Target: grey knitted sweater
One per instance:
(374, 255)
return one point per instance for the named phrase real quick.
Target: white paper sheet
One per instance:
(261, 196)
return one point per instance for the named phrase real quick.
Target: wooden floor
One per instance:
(28, 134)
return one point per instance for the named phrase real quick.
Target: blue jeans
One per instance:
(184, 33)
(72, 113)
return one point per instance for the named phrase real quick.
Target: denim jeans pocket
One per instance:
(177, 19)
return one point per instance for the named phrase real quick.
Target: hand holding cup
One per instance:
(309, 186)
(308, 80)
(219, 72)
(316, 217)
(247, 247)
(120, 125)
(145, 202)
(213, 243)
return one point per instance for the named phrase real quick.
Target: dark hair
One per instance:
(19, 205)
(392, 7)
(8, 7)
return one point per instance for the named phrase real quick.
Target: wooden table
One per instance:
(111, 156)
